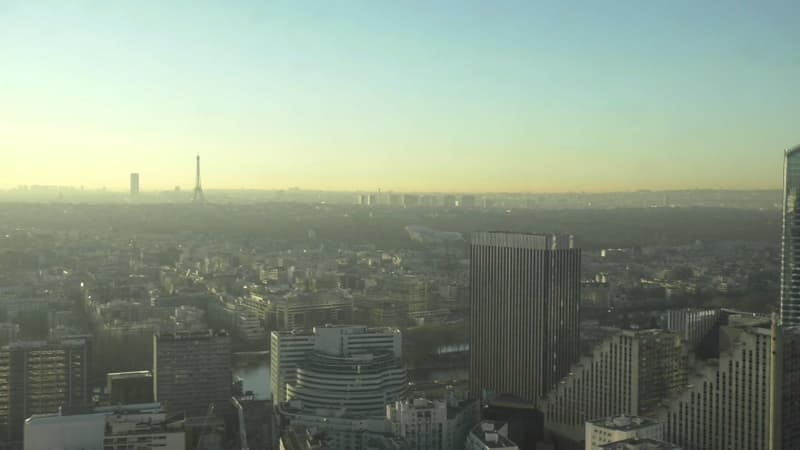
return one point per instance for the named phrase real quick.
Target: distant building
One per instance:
(696, 325)
(291, 350)
(790, 254)
(614, 429)
(134, 184)
(192, 372)
(128, 388)
(143, 427)
(305, 311)
(39, 378)
(489, 435)
(524, 307)
(421, 422)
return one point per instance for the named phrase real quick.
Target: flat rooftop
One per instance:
(624, 423)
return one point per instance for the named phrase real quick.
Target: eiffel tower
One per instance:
(198, 189)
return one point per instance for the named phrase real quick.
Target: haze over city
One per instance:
(409, 96)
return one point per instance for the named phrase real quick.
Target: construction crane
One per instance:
(242, 430)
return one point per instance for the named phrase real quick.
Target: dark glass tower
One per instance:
(524, 311)
(790, 254)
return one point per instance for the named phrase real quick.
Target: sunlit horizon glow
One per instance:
(448, 96)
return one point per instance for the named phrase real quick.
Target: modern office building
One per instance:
(786, 387)
(289, 349)
(305, 311)
(524, 312)
(134, 184)
(628, 373)
(130, 388)
(727, 402)
(696, 325)
(790, 254)
(192, 372)
(620, 428)
(489, 435)
(39, 378)
(142, 427)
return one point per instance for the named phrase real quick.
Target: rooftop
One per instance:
(488, 432)
(624, 423)
(640, 444)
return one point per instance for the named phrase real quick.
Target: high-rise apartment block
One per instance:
(790, 254)
(192, 372)
(628, 373)
(727, 403)
(39, 378)
(524, 312)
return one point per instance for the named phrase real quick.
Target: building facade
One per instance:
(615, 429)
(288, 349)
(524, 312)
(192, 372)
(422, 423)
(790, 251)
(628, 373)
(39, 378)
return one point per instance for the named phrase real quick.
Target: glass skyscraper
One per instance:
(790, 255)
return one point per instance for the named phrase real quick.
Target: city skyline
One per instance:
(450, 97)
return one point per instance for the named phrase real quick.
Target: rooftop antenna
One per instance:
(198, 189)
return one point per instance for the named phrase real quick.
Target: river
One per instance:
(253, 369)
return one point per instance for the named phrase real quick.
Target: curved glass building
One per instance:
(790, 254)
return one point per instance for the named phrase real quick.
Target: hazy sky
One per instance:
(405, 95)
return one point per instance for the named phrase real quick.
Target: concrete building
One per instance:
(289, 349)
(39, 378)
(142, 427)
(790, 254)
(489, 435)
(786, 388)
(696, 325)
(305, 311)
(615, 429)
(628, 373)
(192, 371)
(421, 423)
(727, 403)
(524, 307)
(130, 388)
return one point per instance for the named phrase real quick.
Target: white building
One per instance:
(422, 423)
(288, 349)
(614, 429)
(489, 435)
(142, 427)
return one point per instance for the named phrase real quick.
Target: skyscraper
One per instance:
(524, 309)
(790, 254)
(134, 184)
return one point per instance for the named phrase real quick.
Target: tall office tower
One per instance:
(727, 404)
(524, 309)
(192, 372)
(134, 184)
(790, 252)
(39, 378)
(291, 349)
(628, 373)
(786, 388)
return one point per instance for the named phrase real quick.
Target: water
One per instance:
(253, 369)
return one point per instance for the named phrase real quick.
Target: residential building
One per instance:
(142, 427)
(614, 429)
(628, 373)
(489, 435)
(192, 372)
(524, 309)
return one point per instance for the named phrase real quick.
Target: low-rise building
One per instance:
(489, 435)
(614, 429)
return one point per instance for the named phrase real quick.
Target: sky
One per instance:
(435, 96)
